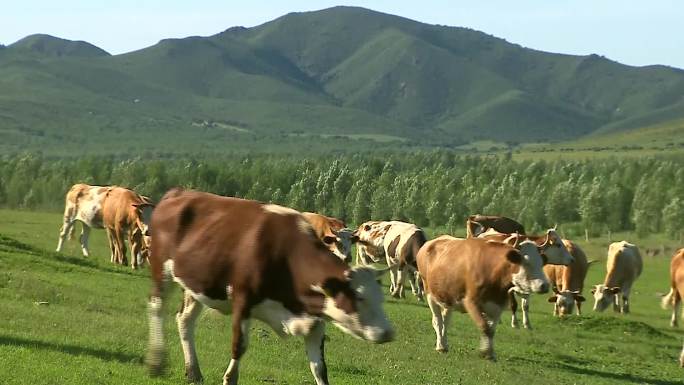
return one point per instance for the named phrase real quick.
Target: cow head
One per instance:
(340, 243)
(143, 216)
(354, 304)
(604, 296)
(530, 278)
(372, 233)
(555, 251)
(564, 301)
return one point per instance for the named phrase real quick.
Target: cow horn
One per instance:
(320, 290)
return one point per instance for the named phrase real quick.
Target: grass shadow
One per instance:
(102, 354)
(12, 245)
(574, 367)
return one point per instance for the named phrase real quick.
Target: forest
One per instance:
(436, 189)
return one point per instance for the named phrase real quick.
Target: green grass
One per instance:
(93, 330)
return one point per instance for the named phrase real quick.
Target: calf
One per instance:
(118, 210)
(623, 267)
(568, 281)
(475, 276)
(478, 224)
(399, 243)
(334, 233)
(259, 261)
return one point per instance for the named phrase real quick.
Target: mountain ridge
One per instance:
(341, 72)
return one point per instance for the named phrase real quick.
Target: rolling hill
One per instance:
(324, 80)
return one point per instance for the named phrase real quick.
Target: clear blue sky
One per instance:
(635, 32)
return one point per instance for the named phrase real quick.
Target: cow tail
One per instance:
(668, 300)
(415, 247)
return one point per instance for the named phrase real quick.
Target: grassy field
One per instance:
(67, 319)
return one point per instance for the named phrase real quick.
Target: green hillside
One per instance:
(328, 80)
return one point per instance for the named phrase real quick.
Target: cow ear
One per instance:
(513, 240)
(579, 298)
(514, 257)
(593, 290)
(354, 238)
(330, 239)
(552, 299)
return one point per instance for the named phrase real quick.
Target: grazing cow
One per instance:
(475, 275)
(260, 261)
(568, 281)
(553, 252)
(623, 267)
(334, 233)
(118, 210)
(399, 243)
(478, 224)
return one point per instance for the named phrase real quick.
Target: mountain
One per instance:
(339, 78)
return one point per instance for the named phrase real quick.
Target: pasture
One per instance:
(67, 319)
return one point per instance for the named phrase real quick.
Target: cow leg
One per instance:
(155, 350)
(120, 245)
(525, 299)
(486, 328)
(625, 300)
(67, 229)
(513, 302)
(112, 247)
(393, 279)
(240, 339)
(315, 351)
(438, 324)
(681, 357)
(579, 307)
(616, 303)
(85, 235)
(398, 291)
(417, 282)
(186, 320)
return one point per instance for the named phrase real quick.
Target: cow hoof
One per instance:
(193, 376)
(528, 327)
(442, 349)
(488, 355)
(515, 325)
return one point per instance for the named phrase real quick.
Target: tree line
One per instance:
(436, 189)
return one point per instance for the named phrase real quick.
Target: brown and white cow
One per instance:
(259, 261)
(118, 210)
(474, 276)
(334, 233)
(674, 297)
(568, 281)
(623, 267)
(399, 243)
(478, 224)
(553, 251)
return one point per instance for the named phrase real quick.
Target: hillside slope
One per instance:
(319, 79)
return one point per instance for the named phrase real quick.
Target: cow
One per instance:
(254, 260)
(118, 210)
(553, 251)
(478, 224)
(623, 267)
(568, 281)
(475, 275)
(399, 243)
(334, 233)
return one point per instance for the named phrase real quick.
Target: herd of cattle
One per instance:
(292, 270)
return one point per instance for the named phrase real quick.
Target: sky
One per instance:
(634, 32)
